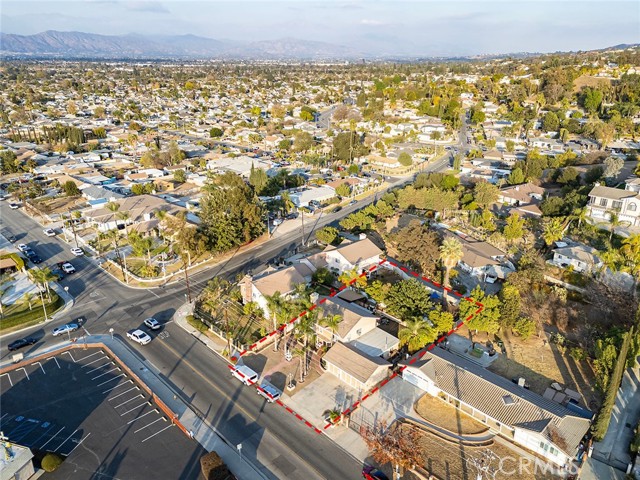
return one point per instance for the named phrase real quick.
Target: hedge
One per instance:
(51, 462)
(197, 324)
(19, 261)
(31, 317)
(214, 468)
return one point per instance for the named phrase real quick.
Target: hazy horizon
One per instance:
(429, 28)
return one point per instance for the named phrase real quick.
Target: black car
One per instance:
(30, 253)
(23, 342)
(35, 259)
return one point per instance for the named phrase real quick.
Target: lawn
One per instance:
(439, 413)
(19, 315)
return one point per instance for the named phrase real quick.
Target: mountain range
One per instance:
(89, 45)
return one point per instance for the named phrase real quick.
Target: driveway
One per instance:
(614, 448)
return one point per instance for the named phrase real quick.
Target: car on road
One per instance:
(292, 216)
(78, 252)
(139, 336)
(371, 473)
(20, 343)
(49, 232)
(269, 392)
(66, 267)
(35, 259)
(12, 238)
(277, 221)
(66, 328)
(23, 247)
(353, 202)
(245, 374)
(152, 323)
(14, 206)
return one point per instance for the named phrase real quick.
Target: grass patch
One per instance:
(196, 323)
(25, 317)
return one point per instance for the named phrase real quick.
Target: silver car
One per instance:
(66, 328)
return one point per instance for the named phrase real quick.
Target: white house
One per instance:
(581, 257)
(356, 320)
(354, 367)
(319, 194)
(603, 201)
(359, 255)
(519, 415)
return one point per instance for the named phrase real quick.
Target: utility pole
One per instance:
(186, 279)
(302, 211)
(73, 228)
(120, 259)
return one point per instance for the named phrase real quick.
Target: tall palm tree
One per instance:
(28, 299)
(287, 203)
(415, 334)
(630, 252)
(614, 222)
(580, 214)
(305, 329)
(450, 254)
(552, 230)
(43, 276)
(276, 305)
(332, 322)
(301, 353)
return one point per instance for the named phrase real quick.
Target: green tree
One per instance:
(408, 298)
(417, 246)
(353, 278)
(343, 190)
(516, 177)
(416, 334)
(450, 254)
(216, 132)
(302, 141)
(509, 305)
(327, 235)
(180, 176)
(405, 159)
(487, 320)
(485, 193)
(442, 321)
(524, 327)
(591, 100)
(379, 291)
(550, 122)
(552, 230)
(8, 162)
(514, 228)
(70, 188)
(258, 179)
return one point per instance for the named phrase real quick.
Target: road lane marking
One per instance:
(119, 385)
(79, 443)
(141, 405)
(105, 373)
(110, 362)
(87, 364)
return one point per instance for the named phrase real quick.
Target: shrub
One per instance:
(196, 323)
(577, 353)
(51, 462)
(213, 468)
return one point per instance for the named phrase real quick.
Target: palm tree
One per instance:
(332, 322)
(630, 253)
(276, 305)
(287, 203)
(301, 353)
(450, 254)
(552, 231)
(614, 222)
(43, 276)
(305, 329)
(28, 299)
(580, 214)
(2, 292)
(415, 334)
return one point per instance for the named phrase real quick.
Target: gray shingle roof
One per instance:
(484, 390)
(611, 193)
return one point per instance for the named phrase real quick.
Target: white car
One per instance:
(14, 206)
(23, 247)
(68, 268)
(77, 251)
(49, 232)
(152, 323)
(68, 327)
(139, 336)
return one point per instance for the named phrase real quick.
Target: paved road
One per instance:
(203, 378)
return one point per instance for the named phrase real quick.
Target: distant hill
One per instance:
(90, 45)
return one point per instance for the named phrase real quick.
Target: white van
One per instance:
(245, 374)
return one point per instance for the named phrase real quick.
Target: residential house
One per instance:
(524, 199)
(480, 258)
(605, 201)
(259, 288)
(520, 415)
(358, 255)
(384, 162)
(316, 194)
(354, 367)
(582, 258)
(356, 320)
(377, 343)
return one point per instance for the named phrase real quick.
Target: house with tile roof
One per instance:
(540, 425)
(259, 288)
(356, 320)
(354, 367)
(481, 258)
(358, 255)
(524, 199)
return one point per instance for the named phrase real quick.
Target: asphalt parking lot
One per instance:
(82, 405)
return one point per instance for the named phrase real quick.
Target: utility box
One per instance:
(18, 357)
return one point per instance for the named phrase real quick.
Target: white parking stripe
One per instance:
(40, 367)
(92, 354)
(149, 424)
(119, 385)
(105, 373)
(98, 368)
(94, 361)
(141, 405)
(8, 378)
(65, 440)
(156, 433)
(127, 401)
(69, 353)
(138, 418)
(56, 434)
(132, 388)
(56, 360)
(111, 379)
(79, 443)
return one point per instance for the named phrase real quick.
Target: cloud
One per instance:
(146, 6)
(369, 22)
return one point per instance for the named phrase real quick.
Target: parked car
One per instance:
(22, 247)
(29, 252)
(35, 259)
(139, 336)
(353, 202)
(20, 343)
(245, 374)
(152, 323)
(49, 232)
(269, 392)
(66, 328)
(57, 273)
(14, 206)
(277, 221)
(78, 252)
(292, 216)
(66, 267)
(371, 473)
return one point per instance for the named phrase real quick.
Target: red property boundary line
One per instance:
(376, 389)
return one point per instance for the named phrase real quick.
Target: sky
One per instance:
(419, 27)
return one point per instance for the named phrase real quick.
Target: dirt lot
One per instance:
(541, 364)
(60, 204)
(437, 412)
(450, 461)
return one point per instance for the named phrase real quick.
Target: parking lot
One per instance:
(82, 404)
